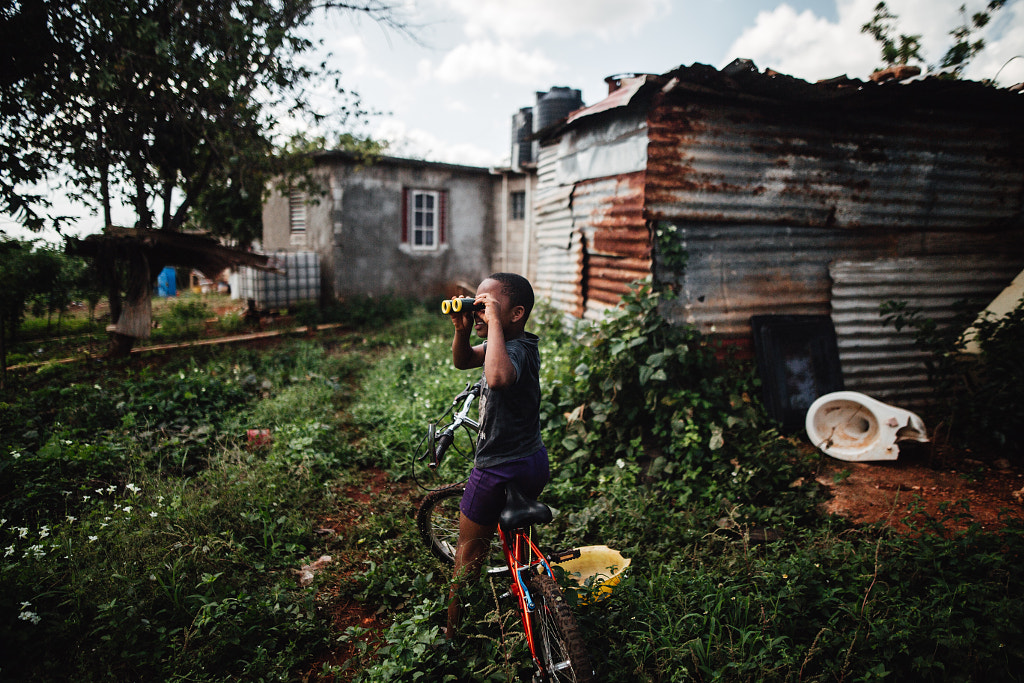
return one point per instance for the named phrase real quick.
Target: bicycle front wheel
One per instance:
(438, 521)
(557, 640)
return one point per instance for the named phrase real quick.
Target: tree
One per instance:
(902, 49)
(25, 40)
(963, 50)
(152, 102)
(881, 28)
(165, 105)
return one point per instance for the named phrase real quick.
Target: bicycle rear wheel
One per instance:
(438, 521)
(557, 639)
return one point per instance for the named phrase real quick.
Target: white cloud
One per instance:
(529, 18)
(485, 58)
(812, 47)
(417, 143)
(1004, 50)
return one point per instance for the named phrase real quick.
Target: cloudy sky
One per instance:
(451, 97)
(449, 93)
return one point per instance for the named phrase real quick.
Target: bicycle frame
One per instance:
(517, 565)
(551, 634)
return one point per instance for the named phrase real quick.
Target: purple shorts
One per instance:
(484, 498)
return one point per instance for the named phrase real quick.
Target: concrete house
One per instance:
(790, 199)
(397, 226)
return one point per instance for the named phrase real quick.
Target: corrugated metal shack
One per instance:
(789, 198)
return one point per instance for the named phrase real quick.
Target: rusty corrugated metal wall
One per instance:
(609, 215)
(735, 163)
(592, 236)
(770, 181)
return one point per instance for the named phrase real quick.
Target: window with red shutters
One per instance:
(424, 219)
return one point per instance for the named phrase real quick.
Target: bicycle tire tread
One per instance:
(425, 520)
(549, 593)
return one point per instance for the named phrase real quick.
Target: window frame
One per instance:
(297, 208)
(433, 220)
(517, 200)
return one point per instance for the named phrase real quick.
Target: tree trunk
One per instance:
(136, 315)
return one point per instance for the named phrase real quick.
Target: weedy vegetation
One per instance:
(144, 538)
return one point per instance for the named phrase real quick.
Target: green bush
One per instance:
(978, 398)
(184, 319)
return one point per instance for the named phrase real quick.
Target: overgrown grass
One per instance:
(144, 539)
(659, 450)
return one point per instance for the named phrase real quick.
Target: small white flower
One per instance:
(127, 509)
(10, 550)
(44, 531)
(620, 463)
(15, 454)
(133, 488)
(29, 616)
(111, 489)
(71, 519)
(22, 532)
(92, 539)
(152, 514)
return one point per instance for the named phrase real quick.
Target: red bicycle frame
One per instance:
(521, 544)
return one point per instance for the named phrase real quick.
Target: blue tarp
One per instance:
(166, 284)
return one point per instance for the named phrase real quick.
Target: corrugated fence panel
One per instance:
(873, 354)
(559, 249)
(725, 162)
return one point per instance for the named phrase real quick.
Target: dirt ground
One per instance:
(881, 491)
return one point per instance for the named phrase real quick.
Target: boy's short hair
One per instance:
(518, 290)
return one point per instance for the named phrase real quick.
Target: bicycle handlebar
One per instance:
(437, 448)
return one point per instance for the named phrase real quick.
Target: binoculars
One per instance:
(457, 303)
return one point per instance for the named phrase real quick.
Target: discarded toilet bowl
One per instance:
(848, 425)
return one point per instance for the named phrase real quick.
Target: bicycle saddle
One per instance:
(521, 511)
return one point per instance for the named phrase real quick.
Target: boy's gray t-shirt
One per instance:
(510, 417)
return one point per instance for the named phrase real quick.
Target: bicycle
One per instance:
(553, 638)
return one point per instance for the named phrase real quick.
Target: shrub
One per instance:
(977, 397)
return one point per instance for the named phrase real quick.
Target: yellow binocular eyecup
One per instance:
(456, 303)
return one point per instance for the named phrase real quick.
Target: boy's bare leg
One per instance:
(474, 540)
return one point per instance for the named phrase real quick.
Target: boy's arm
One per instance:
(498, 367)
(464, 355)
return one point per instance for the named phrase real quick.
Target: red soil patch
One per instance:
(882, 491)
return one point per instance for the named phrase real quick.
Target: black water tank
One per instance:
(522, 126)
(554, 105)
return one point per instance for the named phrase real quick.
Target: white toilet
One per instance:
(851, 426)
